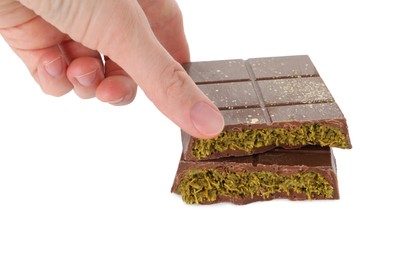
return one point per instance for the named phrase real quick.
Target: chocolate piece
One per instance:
(283, 67)
(266, 103)
(217, 71)
(306, 173)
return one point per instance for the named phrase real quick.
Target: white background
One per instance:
(85, 180)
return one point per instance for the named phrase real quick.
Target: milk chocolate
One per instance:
(299, 174)
(266, 103)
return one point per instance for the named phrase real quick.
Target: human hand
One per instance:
(62, 43)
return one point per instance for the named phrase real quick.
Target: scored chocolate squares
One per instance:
(266, 103)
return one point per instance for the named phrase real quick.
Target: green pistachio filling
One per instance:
(246, 140)
(198, 186)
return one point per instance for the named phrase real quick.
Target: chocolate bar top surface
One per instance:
(280, 161)
(266, 92)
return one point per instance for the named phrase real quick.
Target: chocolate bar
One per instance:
(266, 103)
(308, 173)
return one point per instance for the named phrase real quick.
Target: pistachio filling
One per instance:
(198, 186)
(246, 140)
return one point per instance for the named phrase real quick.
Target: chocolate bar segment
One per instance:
(308, 173)
(273, 102)
(233, 95)
(294, 91)
(283, 67)
(217, 71)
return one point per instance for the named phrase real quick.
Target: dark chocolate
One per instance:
(279, 161)
(266, 93)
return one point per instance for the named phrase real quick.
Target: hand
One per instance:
(62, 43)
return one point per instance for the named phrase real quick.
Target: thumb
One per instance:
(120, 30)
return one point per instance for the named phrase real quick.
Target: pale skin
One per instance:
(63, 42)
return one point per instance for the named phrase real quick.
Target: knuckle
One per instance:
(173, 80)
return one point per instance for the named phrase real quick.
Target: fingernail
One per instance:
(117, 101)
(55, 67)
(87, 79)
(206, 119)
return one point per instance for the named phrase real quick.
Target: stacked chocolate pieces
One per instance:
(280, 122)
